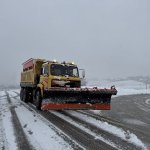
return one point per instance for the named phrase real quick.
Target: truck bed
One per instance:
(31, 71)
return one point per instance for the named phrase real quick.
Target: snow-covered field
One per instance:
(125, 87)
(43, 135)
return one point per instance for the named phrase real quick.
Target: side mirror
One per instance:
(83, 73)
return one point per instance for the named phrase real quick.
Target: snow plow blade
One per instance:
(78, 98)
(75, 106)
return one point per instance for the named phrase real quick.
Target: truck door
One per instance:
(44, 77)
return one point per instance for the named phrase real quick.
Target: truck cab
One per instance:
(54, 74)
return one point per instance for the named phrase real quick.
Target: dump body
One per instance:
(31, 72)
(54, 85)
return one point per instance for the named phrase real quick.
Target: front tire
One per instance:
(38, 100)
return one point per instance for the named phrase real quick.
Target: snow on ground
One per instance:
(110, 128)
(15, 90)
(147, 101)
(2, 94)
(12, 93)
(32, 123)
(97, 136)
(39, 133)
(135, 122)
(6, 125)
(124, 87)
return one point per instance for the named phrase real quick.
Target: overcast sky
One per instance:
(109, 38)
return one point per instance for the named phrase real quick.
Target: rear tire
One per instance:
(25, 95)
(38, 100)
(30, 99)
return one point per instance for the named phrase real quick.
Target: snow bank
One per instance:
(42, 134)
(132, 138)
(97, 136)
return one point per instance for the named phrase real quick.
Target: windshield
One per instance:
(64, 70)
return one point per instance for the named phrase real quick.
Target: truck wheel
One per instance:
(21, 94)
(25, 95)
(38, 100)
(30, 98)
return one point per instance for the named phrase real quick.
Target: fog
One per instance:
(109, 38)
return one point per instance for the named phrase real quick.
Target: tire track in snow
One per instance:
(59, 132)
(124, 143)
(22, 142)
(78, 134)
(120, 143)
(128, 130)
(83, 138)
(3, 144)
(113, 122)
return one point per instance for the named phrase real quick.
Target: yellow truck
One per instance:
(56, 85)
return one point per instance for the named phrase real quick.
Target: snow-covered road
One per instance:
(22, 127)
(41, 135)
(60, 130)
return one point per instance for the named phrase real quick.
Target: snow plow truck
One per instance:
(51, 85)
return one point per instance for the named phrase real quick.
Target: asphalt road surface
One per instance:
(134, 112)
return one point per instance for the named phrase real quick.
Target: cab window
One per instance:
(45, 70)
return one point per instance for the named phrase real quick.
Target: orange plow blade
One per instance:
(50, 106)
(78, 98)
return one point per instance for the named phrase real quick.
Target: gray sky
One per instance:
(109, 38)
